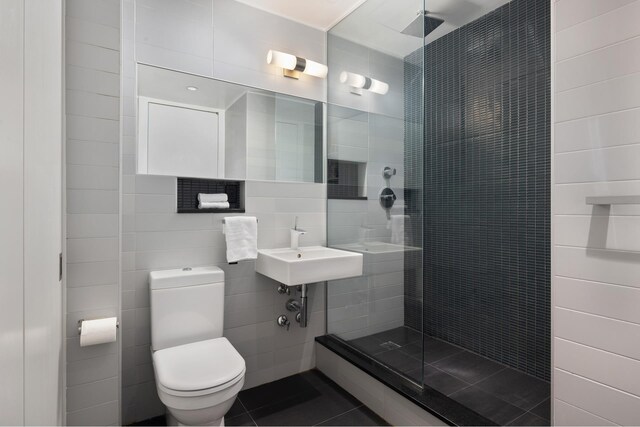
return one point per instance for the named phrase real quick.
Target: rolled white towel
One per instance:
(212, 198)
(213, 205)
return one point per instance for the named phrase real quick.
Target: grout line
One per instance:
(339, 415)
(246, 411)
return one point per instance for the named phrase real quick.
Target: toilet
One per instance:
(198, 372)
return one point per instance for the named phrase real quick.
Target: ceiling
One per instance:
(378, 23)
(321, 14)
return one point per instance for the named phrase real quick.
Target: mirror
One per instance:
(199, 127)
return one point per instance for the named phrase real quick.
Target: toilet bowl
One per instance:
(198, 372)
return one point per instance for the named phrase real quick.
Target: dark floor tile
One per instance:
(155, 421)
(239, 420)
(440, 381)
(236, 409)
(517, 388)
(543, 410)
(305, 408)
(401, 336)
(399, 361)
(487, 405)
(529, 419)
(434, 349)
(368, 345)
(361, 416)
(468, 366)
(283, 389)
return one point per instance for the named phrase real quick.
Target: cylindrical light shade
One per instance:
(316, 69)
(379, 87)
(281, 59)
(352, 79)
(361, 82)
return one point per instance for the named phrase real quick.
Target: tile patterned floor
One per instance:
(499, 393)
(306, 399)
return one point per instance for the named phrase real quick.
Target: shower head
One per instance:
(422, 25)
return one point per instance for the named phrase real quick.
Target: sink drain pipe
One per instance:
(302, 315)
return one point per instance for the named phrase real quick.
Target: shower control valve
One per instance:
(284, 289)
(293, 305)
(283, 321)
(388, 172)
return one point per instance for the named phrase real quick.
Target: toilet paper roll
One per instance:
(98, 331)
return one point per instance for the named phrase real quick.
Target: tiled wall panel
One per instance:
(367, 129)
(92, 79)
(486, 186)
(198, 37)
(596, 262)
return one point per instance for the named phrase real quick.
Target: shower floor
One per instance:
(497, 392)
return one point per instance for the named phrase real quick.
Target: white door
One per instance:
(42, 211)
(11, 213)
(31, 216)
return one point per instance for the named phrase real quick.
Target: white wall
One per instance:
(227, 40)
(367, 129)
(31, 220)
(596, 261)
(93, 183)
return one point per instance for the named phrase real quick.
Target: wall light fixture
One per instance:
(293, 65)
(359, 82)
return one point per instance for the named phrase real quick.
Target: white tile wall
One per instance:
(368, 129)
(93, 243)
(199, 37)
(369, 304)
(346, 55)
(596, 252)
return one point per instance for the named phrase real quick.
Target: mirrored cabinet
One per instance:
(199, 127)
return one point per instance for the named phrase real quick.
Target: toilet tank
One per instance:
(187, 305)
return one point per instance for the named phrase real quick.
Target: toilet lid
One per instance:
(198, 366)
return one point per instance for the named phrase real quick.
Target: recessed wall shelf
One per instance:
(345, 180)
(188, 189)
(613, 200)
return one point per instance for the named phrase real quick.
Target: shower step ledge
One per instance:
(449, 411)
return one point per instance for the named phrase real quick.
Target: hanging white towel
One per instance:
(241, 233)
(213, 205)
(212, 198)
(397, 228)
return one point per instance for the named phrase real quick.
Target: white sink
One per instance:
(308, 264)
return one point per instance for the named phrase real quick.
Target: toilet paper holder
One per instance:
(82, 320)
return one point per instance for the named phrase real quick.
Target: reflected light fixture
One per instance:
(359, 82)
(192, 88)
(293, 65)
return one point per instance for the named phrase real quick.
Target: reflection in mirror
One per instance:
(194, 126)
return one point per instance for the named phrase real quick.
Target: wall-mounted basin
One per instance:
(308, 264)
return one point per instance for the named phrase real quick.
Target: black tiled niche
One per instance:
(188, 189)
(486, 194)
(343, 180)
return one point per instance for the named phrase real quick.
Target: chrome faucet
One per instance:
(295, 235)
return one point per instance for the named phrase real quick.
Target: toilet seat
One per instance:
(198, 368)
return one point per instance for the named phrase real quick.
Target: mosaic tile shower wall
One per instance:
(486, 186)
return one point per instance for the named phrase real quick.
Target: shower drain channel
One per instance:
(389, 345)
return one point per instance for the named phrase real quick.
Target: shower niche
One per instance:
(346, 180)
